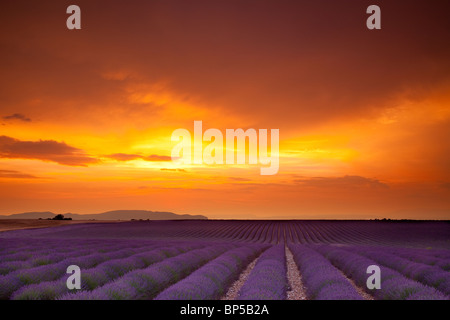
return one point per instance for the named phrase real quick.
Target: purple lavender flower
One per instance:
(97, 276)
(430, 275)
(394, 286)
(146, 283)
(323, 281)
(211, 280)
(268, 278)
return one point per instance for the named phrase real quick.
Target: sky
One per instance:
(86, 116)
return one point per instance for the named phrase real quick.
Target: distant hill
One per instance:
(109, 215)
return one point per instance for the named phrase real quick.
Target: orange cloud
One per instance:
(129, 157)
(46, 150)
(17, 116)
(13, 174)
(167, 169)
(363, 118)
(347, 182)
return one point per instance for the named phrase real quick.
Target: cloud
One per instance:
(279, 63)
(123, 156)
(155, 157)
(167, 169)
(15, 175)
(344, 182)
(128, 157)
(445, 185)
(46, 150)
(17, 116)
(239, 179)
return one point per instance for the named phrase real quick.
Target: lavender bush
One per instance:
(433, 258)
(394, 286)
(211, 280)
(322, 280)
(431, 276)
(33, 262)
(267, 281)
(20, 278)
(148, 282)
(97, 276)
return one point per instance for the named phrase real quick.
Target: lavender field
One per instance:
(228, 259)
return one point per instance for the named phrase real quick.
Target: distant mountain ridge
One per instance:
(109, 215)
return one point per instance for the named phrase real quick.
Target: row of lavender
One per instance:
(99, 266)
(438, 258)
(212, 280)
(430, 275)
(148, 282)
(53, 254)
(267, 280)
(394, 285)
(320, 267)
(24, 250)
(14, 245)
(129, 278)
(322, 280)
(414, 234)
(143, 269)
(101, 274)
(175, 272)
(182, 278)
(48, 257)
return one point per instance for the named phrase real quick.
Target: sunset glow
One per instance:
(86, 116)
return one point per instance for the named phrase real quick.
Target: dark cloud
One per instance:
(46, 150)
(15, 175)
(128, 157)
(344, 182)
(155, 157)
(283, 62)
(239, 179)
(445, 185)
(17, 116)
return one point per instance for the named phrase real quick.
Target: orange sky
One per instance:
(86, 116)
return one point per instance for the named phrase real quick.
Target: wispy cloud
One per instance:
(239, 179)
(155, 157)
(129, 157)
(123, 156)
(341, 182)
(167, 169)
(15, 175)
(46, 150)
(17, 116)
